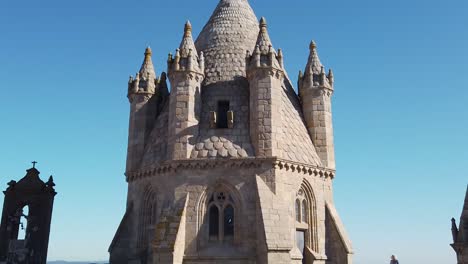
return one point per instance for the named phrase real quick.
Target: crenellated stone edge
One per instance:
(190, 164)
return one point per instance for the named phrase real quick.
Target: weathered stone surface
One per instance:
(248, 157)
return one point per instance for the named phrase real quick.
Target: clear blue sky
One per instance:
(400, 109)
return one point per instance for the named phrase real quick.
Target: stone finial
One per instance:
(169, 57)
(263, 23)
(50, 183)
(280, 58)
(454, 231)
(170, 60)
(257, 56)
(11, 184)
(147, 68)
(331, 77)
(190, 60)
(201, 61)
(323, 76)
(313, 45)
(148, 52)
(188, 28)
(177, 60)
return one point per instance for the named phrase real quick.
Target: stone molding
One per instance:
(190, 164)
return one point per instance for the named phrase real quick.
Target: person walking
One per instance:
(394, 260)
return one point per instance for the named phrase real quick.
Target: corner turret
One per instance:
(266, 76)
(186, 73)
(145, 94)
(315, 90)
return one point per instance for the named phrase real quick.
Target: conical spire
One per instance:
(314, 66)
(147, 68)
(187, 45)
(230, 32)
(263, 39)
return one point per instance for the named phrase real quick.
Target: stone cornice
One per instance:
(193, 164)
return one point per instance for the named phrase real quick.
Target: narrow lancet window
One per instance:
(214, 222)
(228, 221)
(221, 216)
(298, 211)
(304, 211)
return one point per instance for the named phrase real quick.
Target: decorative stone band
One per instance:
(250, 162)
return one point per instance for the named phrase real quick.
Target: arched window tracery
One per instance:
(306, 218)
(221, 216)
(147, 218)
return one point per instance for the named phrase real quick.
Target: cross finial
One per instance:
(34, 164)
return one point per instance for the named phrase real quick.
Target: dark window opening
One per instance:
(229, 221)
(214, 222)
(223, 108)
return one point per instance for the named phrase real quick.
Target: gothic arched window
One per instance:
(306, 219)
(228, 221)
(214, 222)
(221, 216)
(147, 219)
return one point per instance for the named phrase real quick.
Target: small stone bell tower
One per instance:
(28, 206)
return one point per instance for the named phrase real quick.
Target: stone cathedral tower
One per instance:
(230, 166)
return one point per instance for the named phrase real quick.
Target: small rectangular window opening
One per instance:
(223, 108)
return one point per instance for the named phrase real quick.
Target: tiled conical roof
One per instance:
(314, 66)
(147, 68)
(263, 39)
(187, 42)
(230, 32)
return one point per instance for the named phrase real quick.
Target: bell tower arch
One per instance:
(26, 218)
